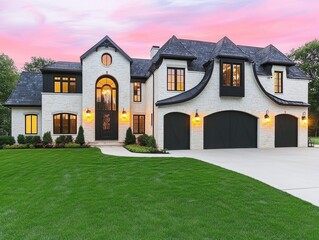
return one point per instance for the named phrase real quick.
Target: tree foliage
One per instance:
(37, 63)
(307, 59)
(8, 79)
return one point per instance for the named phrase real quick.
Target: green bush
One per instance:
(60, 140)
(29, 139)
(151, 142)
(6, 140)
(143, 139)
(68, 139)
(143, 149)
(47, 139)
(80, 137)
(72, 145)
(16, 146)
(36, 140)
(21, 139)
(130, 137)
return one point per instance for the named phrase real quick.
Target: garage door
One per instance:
(286, 131)
(230, 129)
(176, 131)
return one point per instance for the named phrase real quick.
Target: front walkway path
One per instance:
(293, 170)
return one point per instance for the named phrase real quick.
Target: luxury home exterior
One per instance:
(189, 95)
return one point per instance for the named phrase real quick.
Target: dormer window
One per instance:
(232, 78)
(278, 82)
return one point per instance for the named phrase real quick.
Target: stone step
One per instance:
(106, 143)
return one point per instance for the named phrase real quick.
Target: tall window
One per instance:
(31, 124)
(231, 74)
(106, 59)
(278, 82)
(64, 84)
(175, 79)
(138, 124)
(137, 92)
(64, 123)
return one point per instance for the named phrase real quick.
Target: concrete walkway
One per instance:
(293, 170)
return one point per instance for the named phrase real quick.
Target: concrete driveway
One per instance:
(293, 170)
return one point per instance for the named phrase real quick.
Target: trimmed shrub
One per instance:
(80, 137)
(60, 140)
(16, 146)
(72, 145)
(29, 139)
(36, 140)
(130, 137)
(47, 139)
(143, 139)
(151, 142)
(21, 139)
(68, 139)
(6, 140)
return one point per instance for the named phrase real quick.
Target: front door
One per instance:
(106, 109)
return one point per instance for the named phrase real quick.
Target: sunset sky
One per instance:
(64, 30)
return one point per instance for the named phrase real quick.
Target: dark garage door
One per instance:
(176, 131)
(286, 131)
(230, 129)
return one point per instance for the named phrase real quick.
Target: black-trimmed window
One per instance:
(106, 59)
(278, 82)
(175, 79)
(138, 124)
(137, 92)
(64, 123)
(31, 124)
(232, 78)
(64, 84)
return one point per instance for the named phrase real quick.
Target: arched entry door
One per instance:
(106, 109)
(286, 131)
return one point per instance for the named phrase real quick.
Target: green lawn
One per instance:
(315, 139)
(82, 194)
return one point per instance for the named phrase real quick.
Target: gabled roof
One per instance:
(226, 48)
(105, 42)
(27, 92)
(271, 55)
(63, 67)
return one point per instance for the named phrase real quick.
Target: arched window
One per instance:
(106, 94)
(106, 59)
(31, 124)
(64, 123)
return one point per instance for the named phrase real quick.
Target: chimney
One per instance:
(154, 50)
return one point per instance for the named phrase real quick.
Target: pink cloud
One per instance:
(57, 32)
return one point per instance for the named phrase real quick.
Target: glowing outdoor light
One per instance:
(124, 115)
(266, 117)
(88, 113)
(197, 118)
(304, 118)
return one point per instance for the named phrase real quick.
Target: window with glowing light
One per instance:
(31, 124)
(64, 84)
(175, 79)
(137, 92)
(232, 77)
(278, 82)
(106, 94)
(106, 59)
(138, 124)
(64, 123)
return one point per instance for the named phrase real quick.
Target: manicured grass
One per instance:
(315, 139)
(82, 194)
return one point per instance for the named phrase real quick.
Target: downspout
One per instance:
(153, 108)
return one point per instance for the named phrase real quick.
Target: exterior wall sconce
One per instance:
(197, 118)
(124, 114)
(88, 113)
(304, 118)
(266, 117)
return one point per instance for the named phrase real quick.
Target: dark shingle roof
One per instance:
(106, 42)
(63, 66)
(28, 90)
(139, 67)
(271, 55)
